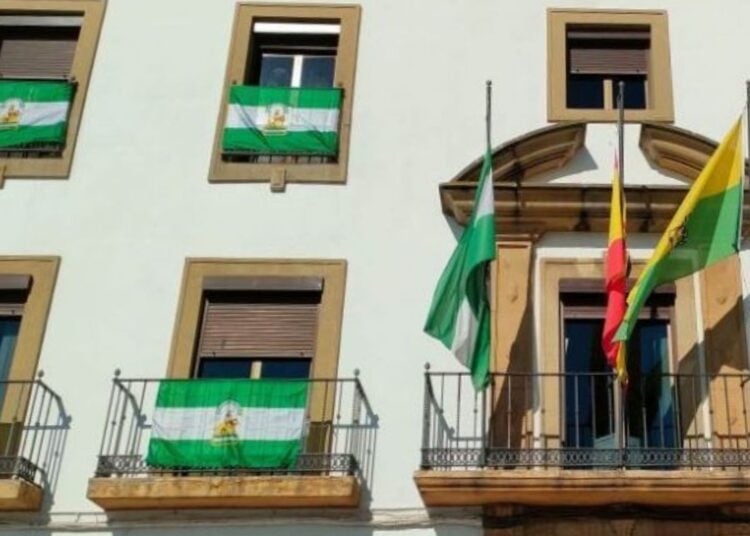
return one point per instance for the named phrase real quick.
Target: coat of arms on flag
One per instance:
(276, 119)
(10, 113)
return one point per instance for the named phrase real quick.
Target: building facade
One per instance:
(165, 219)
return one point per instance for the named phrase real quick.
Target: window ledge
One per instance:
(169, 492)
(559, 487)
(20, 496)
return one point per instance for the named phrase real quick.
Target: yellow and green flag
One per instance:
(704, 230)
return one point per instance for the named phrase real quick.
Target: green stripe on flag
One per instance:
(296, 97)
(36, 91)
(247, 393)
(203, 454)
(311, 142)
(23, 135)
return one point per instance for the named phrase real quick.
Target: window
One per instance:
(268, 333)
(286, 111)
(650, 412)
(26, 285)
(14, 291)
(591, 52)
(46, 54)
(259, 319)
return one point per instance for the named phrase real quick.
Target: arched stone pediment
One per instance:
(525, 208)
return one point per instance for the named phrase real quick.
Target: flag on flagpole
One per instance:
(228, 423)
(460, 313)
(616, 281)
(704, 230)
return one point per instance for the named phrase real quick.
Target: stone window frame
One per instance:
(278, 174)
(43, 273)
(330, 315)
(93, 16)
(659, 89)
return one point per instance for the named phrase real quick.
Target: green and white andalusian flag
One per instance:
(460, 313)
(279, 120)
(228, 423)
(34, 112)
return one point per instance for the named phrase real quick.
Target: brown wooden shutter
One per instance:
(608, 52)
(37, 52)
(262, 329)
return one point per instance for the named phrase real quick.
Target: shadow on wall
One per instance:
(581, 163)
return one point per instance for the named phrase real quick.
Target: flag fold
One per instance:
(616, 280)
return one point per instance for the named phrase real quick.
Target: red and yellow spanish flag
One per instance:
(704, 230)
(616, 282)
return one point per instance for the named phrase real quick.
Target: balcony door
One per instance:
(588, 388)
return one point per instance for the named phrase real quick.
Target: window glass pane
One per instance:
(650, 408)
(276, 70)
(585, 91)
(285, 368)
(588, 401)
(317, 71)
(8, 334)
(224, 368)
(635, 91)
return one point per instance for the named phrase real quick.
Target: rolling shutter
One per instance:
(608, 52)
(37, 52)
(14, 291)
(260, 324)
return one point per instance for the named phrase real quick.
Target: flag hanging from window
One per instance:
(460, 313)
(704, 230)
(228, 423)
(616, 277)
(34, 112)
(277, 120)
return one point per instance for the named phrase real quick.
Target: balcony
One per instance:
(33, 427)
(331, 469)
(574, 439)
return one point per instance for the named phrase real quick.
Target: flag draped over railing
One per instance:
(34, 112)
(283, 121)
(704, 230)
(228, 424)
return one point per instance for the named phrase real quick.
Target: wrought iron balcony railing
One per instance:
(586, 421)
(33, 425)
(339, 432)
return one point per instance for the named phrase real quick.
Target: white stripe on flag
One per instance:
(464, 333)
(299, 120)
(486, 204)
(270, 424)
(37, 114)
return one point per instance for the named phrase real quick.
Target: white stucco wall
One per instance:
(138, 201)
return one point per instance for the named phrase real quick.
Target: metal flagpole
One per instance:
(488, 282)
(619, 395)
(488, 118)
